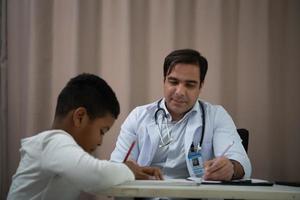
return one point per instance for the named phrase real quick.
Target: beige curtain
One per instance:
(252, 48)
(3, 99)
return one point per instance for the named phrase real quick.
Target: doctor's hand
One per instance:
(219, 169)
(144, 173)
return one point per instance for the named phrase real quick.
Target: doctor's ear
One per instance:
(201, 85)
(79, 117)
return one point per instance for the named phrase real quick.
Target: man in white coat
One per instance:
(180, 134)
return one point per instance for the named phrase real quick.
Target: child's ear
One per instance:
(80, 117)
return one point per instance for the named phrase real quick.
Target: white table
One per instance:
(136, 189)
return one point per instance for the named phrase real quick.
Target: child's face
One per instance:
(91, 133)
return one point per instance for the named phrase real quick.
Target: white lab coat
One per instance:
(220, 131)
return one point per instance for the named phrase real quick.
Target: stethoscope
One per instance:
(165, 117)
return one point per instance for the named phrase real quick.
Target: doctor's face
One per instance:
(182, 89)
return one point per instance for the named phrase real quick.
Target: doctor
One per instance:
(180, 134)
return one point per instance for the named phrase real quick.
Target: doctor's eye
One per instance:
(191, 85)
(172, 81)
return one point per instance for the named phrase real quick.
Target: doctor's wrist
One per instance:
(238, 170)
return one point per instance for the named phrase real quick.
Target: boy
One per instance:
(56, 164)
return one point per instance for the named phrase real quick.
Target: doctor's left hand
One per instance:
(144, 173)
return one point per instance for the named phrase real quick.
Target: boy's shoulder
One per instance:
(47, 134)
(43, 138)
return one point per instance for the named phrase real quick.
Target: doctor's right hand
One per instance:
(218, 169)
(144, 173)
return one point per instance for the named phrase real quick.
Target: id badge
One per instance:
(196, 161)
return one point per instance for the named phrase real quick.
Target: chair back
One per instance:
(244, 134)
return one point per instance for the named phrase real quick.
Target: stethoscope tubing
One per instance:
(165, 116)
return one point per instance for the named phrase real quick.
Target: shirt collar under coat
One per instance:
(195, 109)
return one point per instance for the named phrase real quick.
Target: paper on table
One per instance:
(202, 181)
(248, 182)
(255, 180)
(167, 182)
(195, 179)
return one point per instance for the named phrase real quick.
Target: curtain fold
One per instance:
(252, 49)
(3, 100)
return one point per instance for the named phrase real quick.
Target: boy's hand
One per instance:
(144, 173)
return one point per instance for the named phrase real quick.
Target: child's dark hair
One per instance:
(92, 93)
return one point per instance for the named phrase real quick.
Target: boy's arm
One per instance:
(64, 157)
(144, 173)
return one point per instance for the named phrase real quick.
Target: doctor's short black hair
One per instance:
(185, 56)
(92, 93)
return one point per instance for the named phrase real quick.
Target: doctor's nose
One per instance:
(180, 90)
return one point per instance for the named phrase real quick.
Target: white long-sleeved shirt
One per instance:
(54, 166)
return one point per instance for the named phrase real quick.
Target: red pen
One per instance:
(129, 151)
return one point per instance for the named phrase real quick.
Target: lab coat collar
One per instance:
(153, 133)
(194, 123)
(152, 108)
